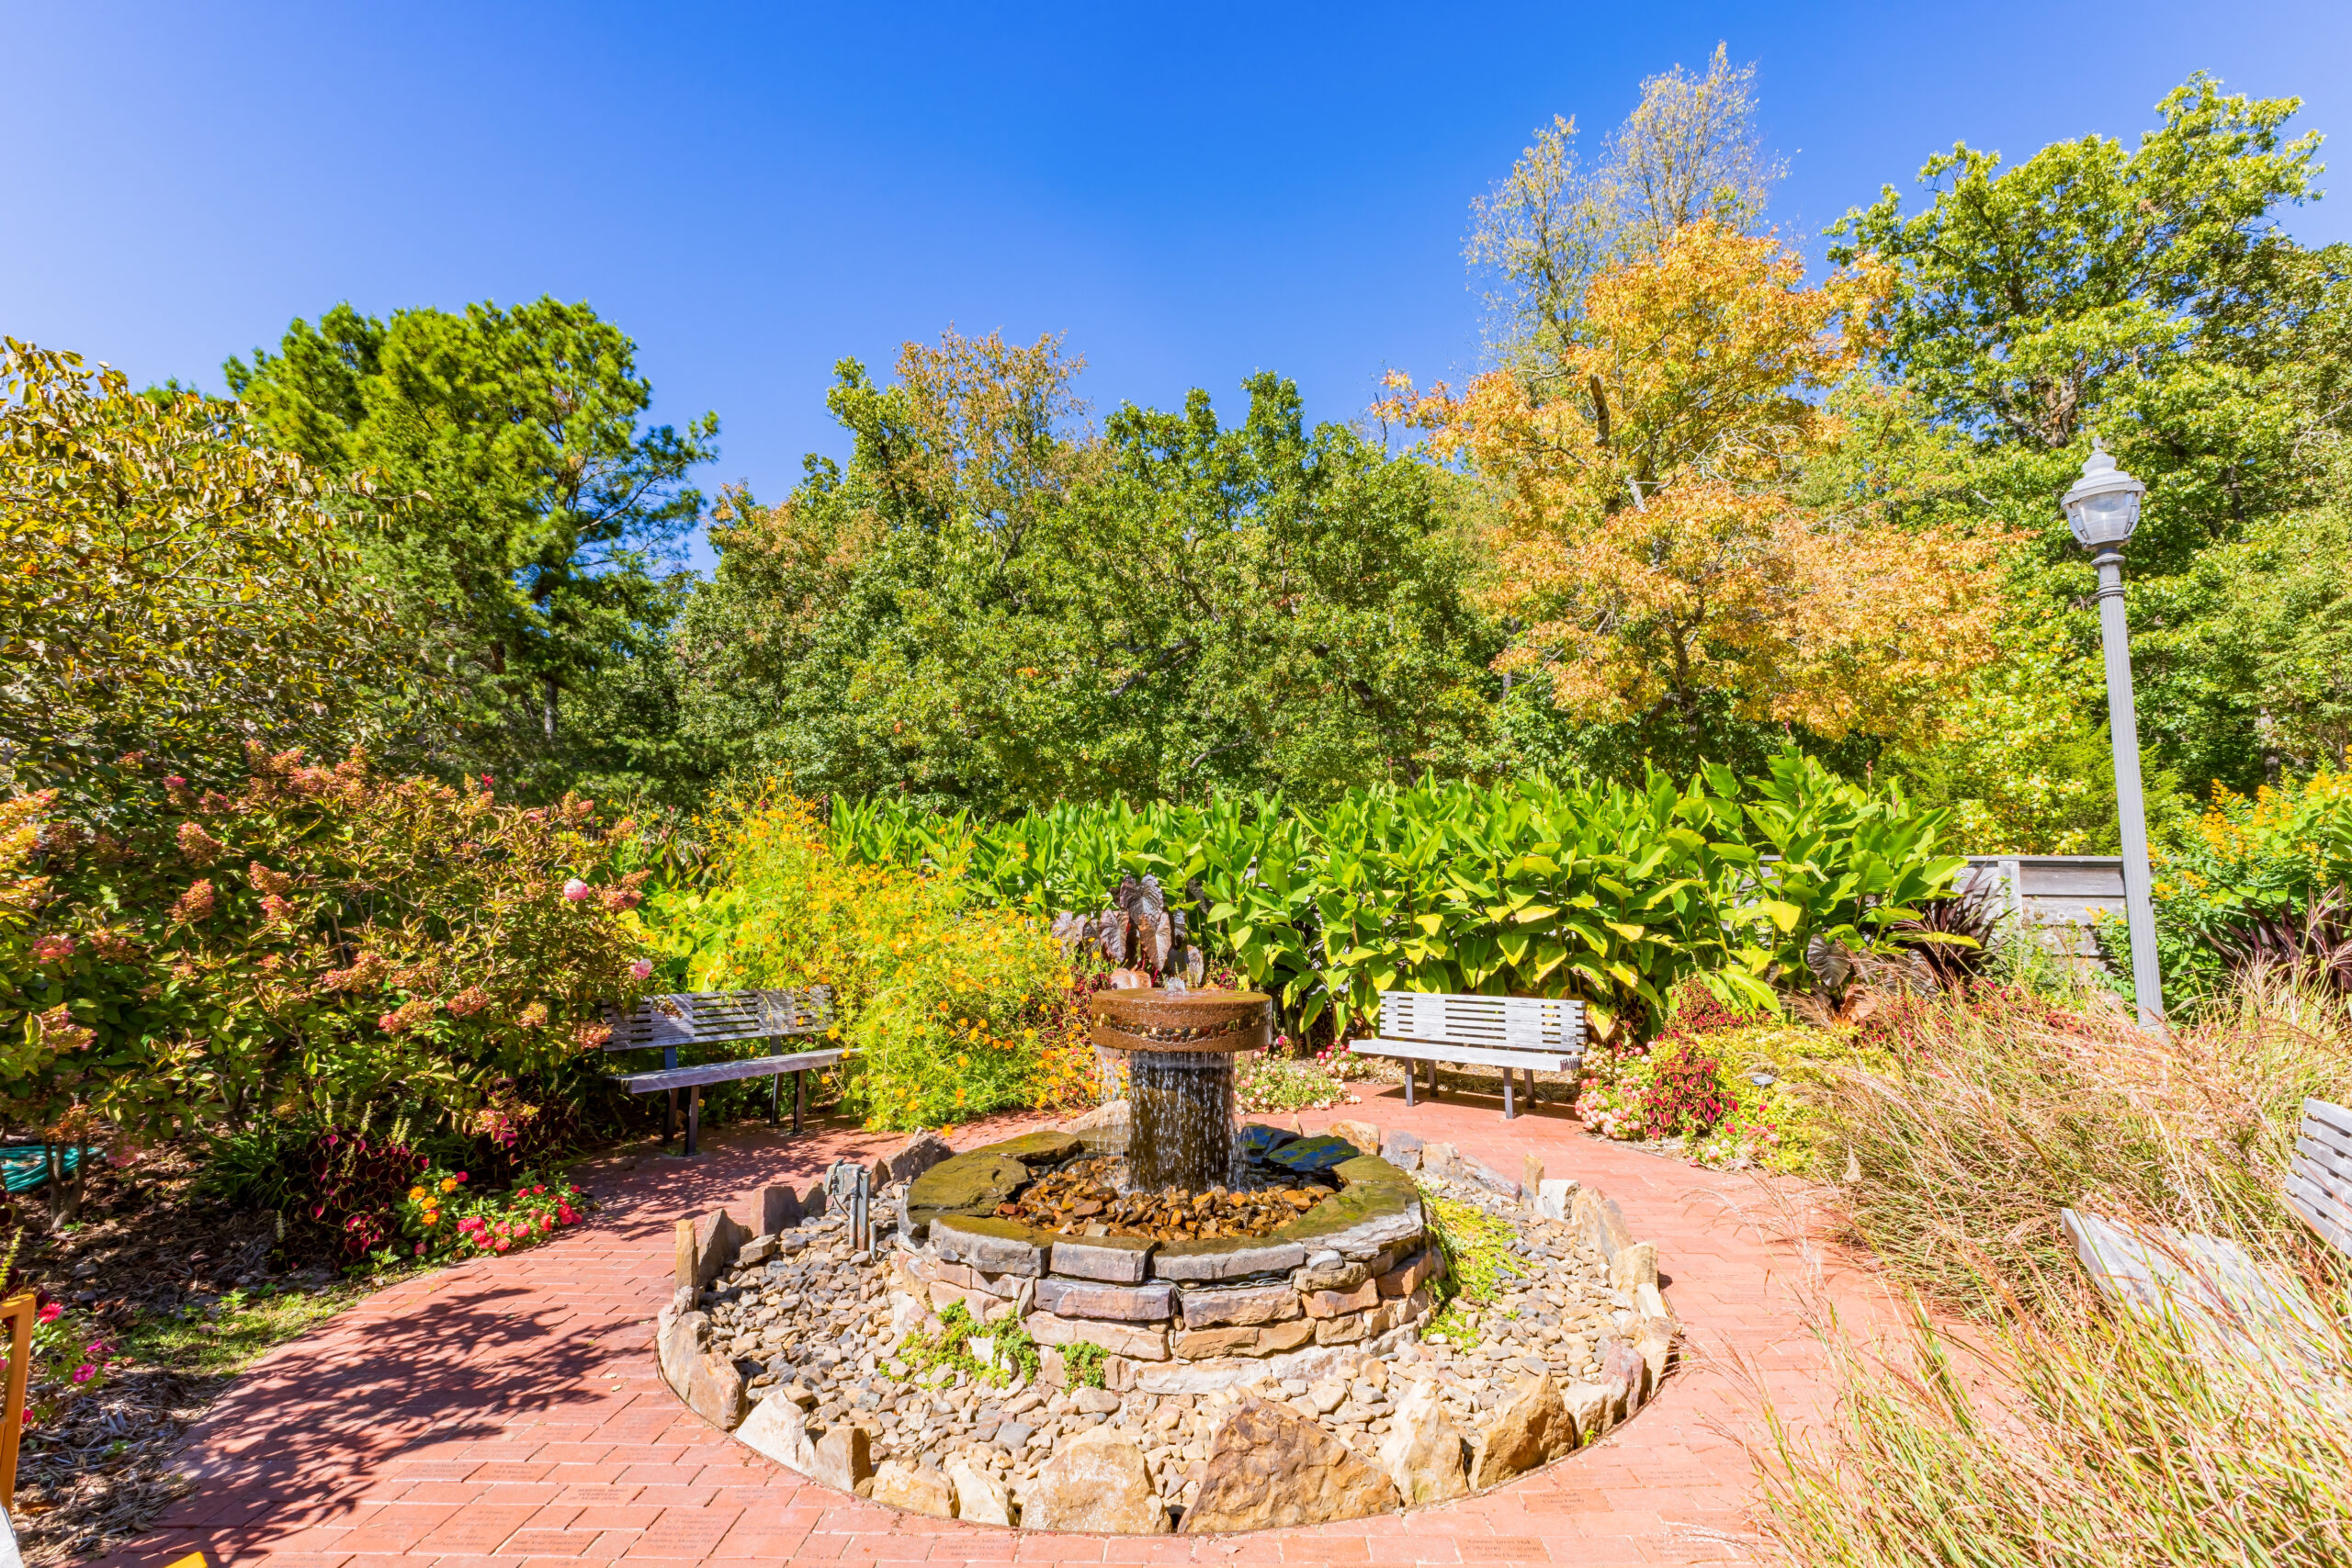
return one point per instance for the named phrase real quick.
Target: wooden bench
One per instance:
(719, 1017)
(1515, 1034)
(2231, 1306)
(2319, 1179)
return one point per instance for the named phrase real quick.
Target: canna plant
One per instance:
(1601, 891)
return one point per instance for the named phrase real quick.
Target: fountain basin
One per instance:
(1190, 1314)
(1180, 1047)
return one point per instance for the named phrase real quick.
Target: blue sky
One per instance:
(1191, 194)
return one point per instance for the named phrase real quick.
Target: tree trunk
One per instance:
(547, 706)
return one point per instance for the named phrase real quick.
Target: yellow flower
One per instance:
(414, 1193)
(448, 1184)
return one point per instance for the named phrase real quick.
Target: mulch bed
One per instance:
(148, 1246)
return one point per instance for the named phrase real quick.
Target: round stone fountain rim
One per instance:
(1229, 1021)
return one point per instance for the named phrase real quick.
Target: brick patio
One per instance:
(507, 1413)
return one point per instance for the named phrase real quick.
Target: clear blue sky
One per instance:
(1189, 193)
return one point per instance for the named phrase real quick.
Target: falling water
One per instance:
(1183, 1103)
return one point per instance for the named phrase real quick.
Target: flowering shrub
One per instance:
(354, 1188)
(1266, 1081)
(324, 937)
(955, 1009)
(70, 1358)
(442, 1218)
(2273, 854)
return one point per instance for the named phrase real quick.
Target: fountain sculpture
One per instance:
(1180, 1041)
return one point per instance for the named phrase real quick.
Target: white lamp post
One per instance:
(2103, 507)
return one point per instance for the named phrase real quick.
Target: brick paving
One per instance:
(506, 1413)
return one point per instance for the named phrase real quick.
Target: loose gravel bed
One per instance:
(817, 1321)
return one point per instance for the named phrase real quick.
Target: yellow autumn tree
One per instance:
(1651, 541)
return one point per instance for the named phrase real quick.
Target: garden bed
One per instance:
(1430, 1336)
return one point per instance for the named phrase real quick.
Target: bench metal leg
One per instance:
(693, 1116)
(1433, 1085)
(799, 1100)
(1412, 1074)
(669, 1117)
(1510, 1111)
(775, 1099)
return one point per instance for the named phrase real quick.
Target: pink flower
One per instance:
(172, 781)
(575, 891)
(84, 1372)
(420, 1249)
(461, 1176)
(49, 949)
(641, 970)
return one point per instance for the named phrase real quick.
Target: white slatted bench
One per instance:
(718, 1018)
(1516, 1033)
(2319, 1179)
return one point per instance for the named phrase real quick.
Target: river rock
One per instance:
(1533, 1429)
(980, 1498)
(1271, 1467)
(1423, 1450)
(1099, 1482)
(1363, 1136)
(901, 1485)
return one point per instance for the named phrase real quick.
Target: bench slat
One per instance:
(2331, 1219)
(686, 1017)
(2334, 1116)
(1477, 1055)
(2322, 1158)
(2315, 1130)
(728, 1072)
(1507, 1022)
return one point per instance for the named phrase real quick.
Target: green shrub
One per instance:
(949, 1001)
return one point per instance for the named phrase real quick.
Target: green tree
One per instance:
(2148, 293)
(541, 514)
(175, 588)
(993, 606)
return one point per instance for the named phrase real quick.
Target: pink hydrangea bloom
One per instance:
(641, 970)
(576, 891)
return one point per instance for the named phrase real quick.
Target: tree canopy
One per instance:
(538, 517)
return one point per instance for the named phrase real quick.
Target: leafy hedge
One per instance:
(1532, 886)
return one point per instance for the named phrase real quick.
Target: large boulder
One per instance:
(1270, 1467)
(715, 1392)
(1533, 1429)
(778, 1427)
(918, 1155)
(680, 1342)
(980, 1498)
(971, 1184)
(1099, 1482)
(842, 1458)
(898, 1486)
(1423, 1450)
(706, 1247)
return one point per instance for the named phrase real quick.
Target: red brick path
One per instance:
(506, 1412)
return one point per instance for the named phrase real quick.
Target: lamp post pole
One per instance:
(2103, 508)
